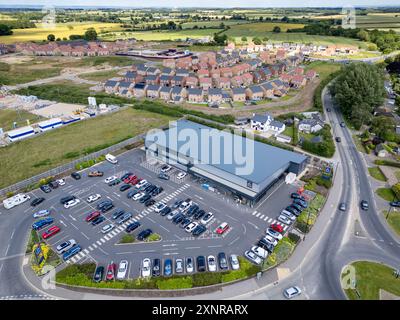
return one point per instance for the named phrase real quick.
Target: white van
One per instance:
(15, 200)
(110, 158)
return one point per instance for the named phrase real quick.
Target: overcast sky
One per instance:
(204, 3)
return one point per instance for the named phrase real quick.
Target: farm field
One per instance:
(100, 75)
(260, 28)
(62, 30)
(214, 23)
(159, 35)
(26, 158)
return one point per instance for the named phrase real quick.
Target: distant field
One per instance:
(213, 23)
(8, 117)
(259, 29)
(159, 35)
(60, 31)
(29, 157)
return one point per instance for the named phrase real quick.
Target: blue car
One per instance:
(168, 267)
(42, 223)
(301, 203)
(71, 252)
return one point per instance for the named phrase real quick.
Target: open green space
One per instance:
(9, 116)
(27, 158)
(386, 194)
(393, 219)
(281, 252)
(370, 278)
(377, 173)
(100, 75)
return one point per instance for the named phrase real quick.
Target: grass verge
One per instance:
(386, 194)
(377, 173)
(393, 220)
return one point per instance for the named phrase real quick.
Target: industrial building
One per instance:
(50, 124)
(268, 164)
(20, 133)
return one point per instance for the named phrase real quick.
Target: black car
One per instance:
(75, 175)
(53, 184)
(328, 109)
(37, 201)
(107, 207)
(293, 210)
(67, 199)
(297, 206)
(150, 188)
(165, 211)
(131, 193)
(144, 234)
(145, 198)
(45, 188)
(223, 263)
(295, 195)
(115, 182)
(178, 218)
(266, 245)
(177, 204)
(192, 210)
(342, 207)
(199, 230)
(149, 202)
(118, 213)
(157, 191)
(342, 124)
(364, 205)
(338, 139)
(156, 270)
(98, 274)
(199, 214)
(126, 175)
(163, 176)
(201, 263)
(98, 220)
(185, 222)
(395, 203)
(124, 187)
(103, 203)
(133, 226)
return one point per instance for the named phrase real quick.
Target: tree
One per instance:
(363, 35)
(257, 41)
(244, 39)
(90, 34)
(384, 128)
(51, 37)
(5, 30)
(220, 39)
(265, 39)
(276, 29)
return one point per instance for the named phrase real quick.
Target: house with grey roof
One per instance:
(239, 94)
(215, 95)
(195, 95)
(153, 91)
(254, 93)
(265, 122)
(165, 93)
(310, 125)
(111, 86)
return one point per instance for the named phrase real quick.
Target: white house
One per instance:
(310, 125)
(265, 122)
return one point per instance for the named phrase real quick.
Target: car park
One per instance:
(200, 229)
(163, 176)
(271, 240)
(274, 234)
(71, 252)
(250, 255)
(127, 177)
(298, 207)
(37, 201)
(178, 218)
(177, 204)
(51, 232)
(262, 253)
(53, 184)
(45, 188)
(292, 292)
(295, 195)
(201, 264)
(364, 205)
(41, 213)
(172, 214)
(178, 266)
(159, 207)
(95, 173)
(222, 228)
(207, 218)
(192, 210)
(103, 204)
(98, 220)
(71, 203)
(65, 246)
(117, 214)
(107, 228)
(222, 262)
(301, 203)
(234, 262)
(98, 274)
(157, 191)
(191, 227)
(42, 223)
(67, 199)
(133, 226)
(288, 214)
(75, 175)
(156, 268)
(165, 211)
(284, 219)
(93, 198)
(144, 198)
(125, 218)
(144, 234)
(107, 207)
(266, 245)
(114, 182)
(199, 214)
(61, 182)
(110, 179)
(124, 187)
(181, 175)
(167, 267)
(165, 168)
(141, 184)
(93, 215)
(189, 265)
(293, 210)
(110, 275)
(185, 222)
(122, 270)
(131, 193)
(185, 205)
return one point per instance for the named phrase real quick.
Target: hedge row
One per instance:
(387, 163)
(326, 148)
(317, 99)
(89, 163)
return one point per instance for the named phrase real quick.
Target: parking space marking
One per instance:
(94, 245)
(90, 248)
(262, 216)
(258, 214)
(254, 213)
(86, 251)
(85, 236)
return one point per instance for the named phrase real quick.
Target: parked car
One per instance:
(200, 229)
(189, 265)
(51, 232)
(67, 199)
(288, 214)
(364, 205)
(191, 227)
(395, 203)
(274, 234)
(71, 203)
(270, 240)
(61, 182)
(107, 228)
(293, 210)
(199, 214)
(110, 275)
(138, 196)
(295, 195)
(201, 264)
(122, 269)
(98, 274)
(192, 210)
(141, 184)
(110, 179)
(125, 218)
(114, 182)
(133, 226)
(93, 197)
(117, 214)
(266, 245)
(262, 253)
(212, 265)
(107, 207)
(301, 203)
(223, 263)
(156, 267)
(45, 188)
(144, 234)
(185, 205)
(160, 207)
(65, 246)
(42, 223)
(185, 222)
(178, 218)
(177, 204)
(298, 207)
(71, 252)
(292, 292)
(342, 206)
(172, 214)
(276, 227)
(157, 191)
(98, 220)
(181, 175)
(167, 267)
(284, 219)
(250, 255)
(37, 201)
(126, 177)
(145, 198)
(131, 193)
(41, 213)
(163, 176)
(165, 168)
(103, 203)
(149, 202)
(53, 184)
(124, 187)
(93, 215)
(165, 211)
(207, 218)
(95, 173)
(75, 175)
(234, 262)
(178, 266)
(222, 228)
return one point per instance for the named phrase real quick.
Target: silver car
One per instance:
(178, 265)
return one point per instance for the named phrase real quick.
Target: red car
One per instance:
(50, 232)
(135, 181)
(92, 216)
(277, 227)
(111, 271)
(222, 228)
(127, 180)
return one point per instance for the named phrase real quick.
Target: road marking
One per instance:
(164, 228)
(253, 225)
(74, 226)
(215, 246)
(189, 248)
(262, 216)
(99, 243)
(62, 222)
(258, 214)
(266, 218)
(233, 241)
(90, 248)
(85, 236)
(254, 213)
(72, 217)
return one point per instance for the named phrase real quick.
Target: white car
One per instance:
(41, 213)
(160, 207)
(61, 182)
(207, 218)
(166, 168)
(178, 265)
(292, 292)
(271, 240)
(235, 262)
(71, 203)
(185, 205)
(110, 179)
(252, 257)
(107, 228)
(137, 196)
(146, 268)
(93, 197)
(212, 264)
(122, 269)
(288, 214)
(172, 214)
(189, 265)
(61, 248)
(262, 253)
(274, 234)
(191, 227)
(141, 184)
(284, 219)
(181, 175)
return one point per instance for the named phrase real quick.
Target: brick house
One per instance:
(165, 93)
(192, 82)
(153, 91)
(139, 90)
(203, 73)
(223, 83)
(165, 80)
(236, 81)
(111, 86)
(247, 79)
(195, 95)
(152, 79)
(205, 83)
(178, 91)
(226, 72)
(238, 94)
(215, 95)
(299, 81)
(268, 90)
(255, 93)
(177, 81)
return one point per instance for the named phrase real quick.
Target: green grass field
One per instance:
(160, 35)
(370, 278)
(29, 157)
(386, 194)
(376, 173)
(100, 75)
(393, 220)
(213, 23)
(259, 29)
(8, 117)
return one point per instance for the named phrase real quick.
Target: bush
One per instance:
(317, 101)
(153, 237)
(327, 183)
(175, 283)
(127, 238)
(295, 238)
(206, 278)
(323, 149)
(387, 163)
